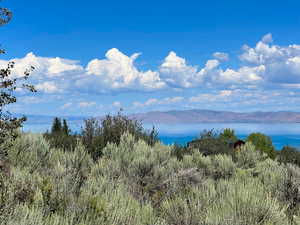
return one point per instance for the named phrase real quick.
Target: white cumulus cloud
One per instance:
(44, 67)
(242, 76)
(118, 71)
(281, 63)
(48, 87)
(264, 64)
(176, 72)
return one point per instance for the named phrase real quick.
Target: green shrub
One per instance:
(289, 155)
(179, 151)
(137, 183)
(210, 143)
(290, 191)
(190, 208)
(262, 143)
(271, 174)
(183, 211)
(216, 166)
(248, 157)
(110, 203)
(30, 151)
(245, 203)
(221, 166)
(97, 135)
(228, 136)
(143, 167)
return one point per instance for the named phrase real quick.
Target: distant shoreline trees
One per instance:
(96, 134)
(60, 135)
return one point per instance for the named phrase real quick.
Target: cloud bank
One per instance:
(264, 65)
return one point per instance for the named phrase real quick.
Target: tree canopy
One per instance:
(262, 143)
(211, 142)
(97, 134)
(5, 15)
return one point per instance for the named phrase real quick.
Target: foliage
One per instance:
(118, 173)
(65, 128)
(60, 136)
(228, 136)
(262, 143)
(136, 183)
(56, 126)
(245, 203)
(91, 137)
(5, 16)
(247, 157)
(210, 143)
(113, 127)
(97, 135)
(289, 154)
(179, 151)
(30, 151)
(8, 85)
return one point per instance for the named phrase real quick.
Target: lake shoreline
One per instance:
(281, 133)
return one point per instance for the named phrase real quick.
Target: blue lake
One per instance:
(278, 140)
(281, 133)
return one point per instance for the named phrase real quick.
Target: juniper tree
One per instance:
(228, 137)
(262, 143)
(61, 135)
(65, 127)
(8, 85)
(56, 126)
(210, 143)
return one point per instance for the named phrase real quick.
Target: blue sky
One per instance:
(93, 57)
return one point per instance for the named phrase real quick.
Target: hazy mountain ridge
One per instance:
(211, 116)
(189, 116)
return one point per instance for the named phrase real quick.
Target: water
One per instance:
(282, 133)
(278, 140)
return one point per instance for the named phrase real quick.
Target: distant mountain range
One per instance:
(190, 116)
(210, 116)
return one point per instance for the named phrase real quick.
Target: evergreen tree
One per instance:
(56, 126)
(60, 136)
(65, 128)
(228, 136)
